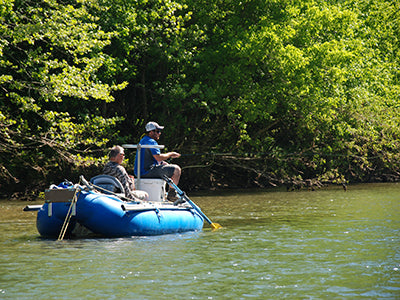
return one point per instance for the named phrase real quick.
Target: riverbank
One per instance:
(292, 185)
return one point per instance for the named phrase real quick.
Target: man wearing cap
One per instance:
(152, 164)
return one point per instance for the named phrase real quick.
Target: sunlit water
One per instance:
(326, 244)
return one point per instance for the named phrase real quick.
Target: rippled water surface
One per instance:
(326, 244)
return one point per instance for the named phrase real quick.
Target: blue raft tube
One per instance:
(108, 215)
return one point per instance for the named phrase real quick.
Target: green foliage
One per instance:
(304, 80)
(292, 89)
(49, 88)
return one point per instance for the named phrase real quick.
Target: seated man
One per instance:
(152, 164)
(114, 168)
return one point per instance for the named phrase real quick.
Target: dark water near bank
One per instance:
(327, 244)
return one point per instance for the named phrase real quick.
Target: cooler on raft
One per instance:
(155, 187)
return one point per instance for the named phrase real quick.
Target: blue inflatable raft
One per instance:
(108, 216)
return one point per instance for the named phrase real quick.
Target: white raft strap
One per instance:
(135, 207)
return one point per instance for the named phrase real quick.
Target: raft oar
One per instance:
(183, 196)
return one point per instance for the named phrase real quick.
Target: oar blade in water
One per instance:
(215, 226)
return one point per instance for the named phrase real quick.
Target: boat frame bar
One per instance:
(138, 153)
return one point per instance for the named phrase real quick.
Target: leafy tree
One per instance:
(256, 92)
(291, 82)
(150, 44)
(50, 91)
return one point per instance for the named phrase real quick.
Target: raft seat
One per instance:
(110, 183)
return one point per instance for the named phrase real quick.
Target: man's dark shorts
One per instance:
(159, 171)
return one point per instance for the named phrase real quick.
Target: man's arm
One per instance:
(165, 156)
(125, 180)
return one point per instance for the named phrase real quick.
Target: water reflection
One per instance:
(299, 245)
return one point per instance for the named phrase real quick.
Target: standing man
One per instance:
(114, 168)
(152, 161)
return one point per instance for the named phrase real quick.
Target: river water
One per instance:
(325, 244)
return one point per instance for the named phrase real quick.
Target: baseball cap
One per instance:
(153, 126)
